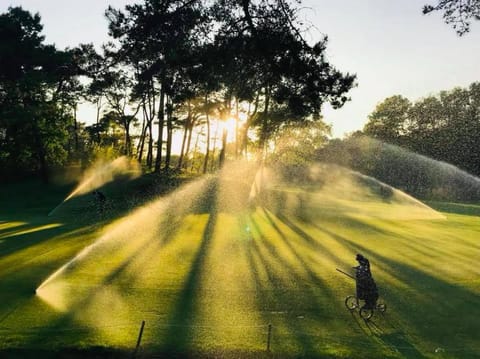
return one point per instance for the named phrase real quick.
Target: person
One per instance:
(100, 201)
(366, 287)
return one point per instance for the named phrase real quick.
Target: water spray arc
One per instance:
(419, 175)
(100, 173)
(57, 207)
(124, 234)
(120, 254)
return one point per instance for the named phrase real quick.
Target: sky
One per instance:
(390, 45)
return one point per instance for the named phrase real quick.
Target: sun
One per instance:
(232, 126)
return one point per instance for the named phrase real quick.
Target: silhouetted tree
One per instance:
(288, 79)
(389, 120)
(458, 13)
(296, 145)
(158, 38)
(36, 85)
(445, 127)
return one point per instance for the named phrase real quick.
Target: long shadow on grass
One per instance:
(21, 276)
(276, 295)
(445, 315)
(388, 339)
(287, 298)
(361, 226)
(145, 251)
(422, 312)
(69, 322)
(312, 276)
(34, 234)
(33, 206)
(39, 228)
(315, 244)
(303, 207)
(183, 315)
(391, 336)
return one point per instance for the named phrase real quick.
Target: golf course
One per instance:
(236, 265)
(239, 179)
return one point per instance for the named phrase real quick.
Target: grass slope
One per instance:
(209, 274)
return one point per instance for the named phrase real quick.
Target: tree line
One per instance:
(171, 65)
(445, 126)
(427, 147)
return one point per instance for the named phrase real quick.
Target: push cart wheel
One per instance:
(366, 313)
(382, 307)
(351, 302)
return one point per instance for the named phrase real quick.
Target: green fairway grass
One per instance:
(209, 270)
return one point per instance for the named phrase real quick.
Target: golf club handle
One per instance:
(348, 275)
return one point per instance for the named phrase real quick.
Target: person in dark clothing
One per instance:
(100, 201)
(366, 287)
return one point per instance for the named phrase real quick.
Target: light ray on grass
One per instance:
(12, 224)
(30, 230)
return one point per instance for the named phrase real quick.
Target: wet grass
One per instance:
(209, 279)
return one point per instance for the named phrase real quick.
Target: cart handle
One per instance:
(348, 275)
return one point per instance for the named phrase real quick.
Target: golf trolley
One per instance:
(352, 302)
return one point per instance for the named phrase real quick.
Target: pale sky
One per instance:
(390, 45)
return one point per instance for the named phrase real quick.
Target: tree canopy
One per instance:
(172, 65)
(445, 127)
(37, 82)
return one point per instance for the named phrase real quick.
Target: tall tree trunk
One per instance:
(141, 142)
(75, 128)
(184, 139)
(127, 139)
(41, 153)
(237, 120)
(99, 108)
(184, 142)
(127, 121)
(151, 116)
(150, 146)
(207, 152)
(248, 124)
(189, 141)
(195, 152)
(169, 134)
(161, 122)
(221, 160)
(214, 150)
(264, 124)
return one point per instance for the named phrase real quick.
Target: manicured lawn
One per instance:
(208, 272)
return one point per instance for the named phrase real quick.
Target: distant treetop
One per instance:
(458, 13)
